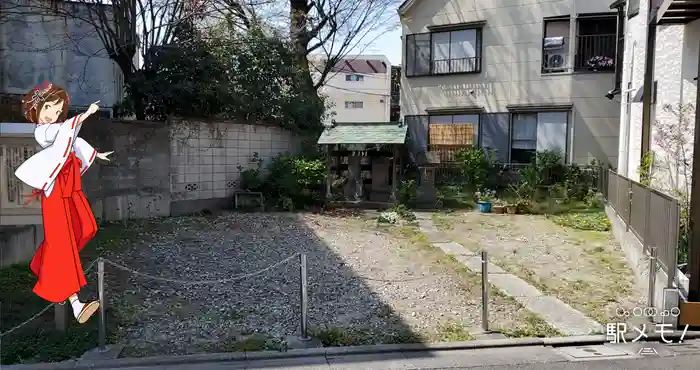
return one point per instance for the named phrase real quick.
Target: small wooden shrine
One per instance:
(363, 161)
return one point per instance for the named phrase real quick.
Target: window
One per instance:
(632, 8)
(516, 137)
(524, 140)
(555, 45)
(354, 78)
(353, 105)
(447, 134)
(536, 132)
(596, 43)
(443, 52)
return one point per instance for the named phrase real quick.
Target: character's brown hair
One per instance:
(34, 101)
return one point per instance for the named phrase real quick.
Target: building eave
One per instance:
(678, 11)
(406, 6)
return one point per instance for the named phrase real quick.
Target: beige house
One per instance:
(526, 75)
(359, 88)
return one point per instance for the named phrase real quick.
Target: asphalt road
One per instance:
(522, 358)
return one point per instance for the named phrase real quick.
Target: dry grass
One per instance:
(586, 269)
(506, 315)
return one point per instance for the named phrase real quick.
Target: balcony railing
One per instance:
(458, 65)
(595, 53)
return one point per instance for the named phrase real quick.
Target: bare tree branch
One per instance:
(338, 27)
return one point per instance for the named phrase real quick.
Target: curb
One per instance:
(338, 351)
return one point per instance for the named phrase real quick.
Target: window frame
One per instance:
(352, 104)
(511, 115)
(477, 131)
(632, 12)
(354, 77)
(565, 154)
(477, 27)
(567, 67)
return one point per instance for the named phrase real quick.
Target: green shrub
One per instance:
(407, 192)
(595, 221)
(251, 178)
(295, 182)
(475, 165)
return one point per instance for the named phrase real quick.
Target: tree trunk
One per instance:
(299, 12)
(131, 79)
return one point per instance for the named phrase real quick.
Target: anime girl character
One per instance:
(55, 173)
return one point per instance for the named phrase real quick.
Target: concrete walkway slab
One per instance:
(557, 313)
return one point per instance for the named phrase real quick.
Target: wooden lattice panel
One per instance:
(451, 134)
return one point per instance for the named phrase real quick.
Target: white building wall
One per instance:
(675, 67)
(630, 147)
(373, 91)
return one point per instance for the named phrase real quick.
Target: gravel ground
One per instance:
(365, 285)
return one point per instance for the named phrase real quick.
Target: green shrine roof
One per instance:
(364, 133)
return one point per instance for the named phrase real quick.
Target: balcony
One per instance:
(16, 145)
(595, 53)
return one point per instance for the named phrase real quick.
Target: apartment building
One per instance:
(672, 78)
(515, 76)
(359, 87)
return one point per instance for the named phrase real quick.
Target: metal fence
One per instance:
(652, 216)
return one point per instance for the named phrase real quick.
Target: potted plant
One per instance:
(512, 208)
(499, 206)
(522, 205)
(484, 200)
(600, 62)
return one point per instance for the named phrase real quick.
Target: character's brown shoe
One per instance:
(88, 310)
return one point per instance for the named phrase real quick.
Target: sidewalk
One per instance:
(539, 354)
(557, 313)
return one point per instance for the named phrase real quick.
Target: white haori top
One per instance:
(58, 140)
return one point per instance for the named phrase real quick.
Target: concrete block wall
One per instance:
(136, 182)
(206, 156)
(18, 243)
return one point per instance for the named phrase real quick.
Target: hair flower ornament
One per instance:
(37, 97)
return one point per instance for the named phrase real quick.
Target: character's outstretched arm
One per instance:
(85, 152)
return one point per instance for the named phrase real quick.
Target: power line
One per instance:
(357, 91)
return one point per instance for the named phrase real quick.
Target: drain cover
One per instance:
(588, 352)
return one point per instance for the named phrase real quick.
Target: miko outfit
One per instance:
(67, 217)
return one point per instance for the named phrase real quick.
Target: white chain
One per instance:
(92, 264)
(201, 282)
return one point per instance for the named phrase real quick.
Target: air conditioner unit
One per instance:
(555, 61)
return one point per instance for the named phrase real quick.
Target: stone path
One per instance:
(557, 313)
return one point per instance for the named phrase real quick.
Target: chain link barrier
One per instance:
(101, 262)
(200, 282)
(38, 314)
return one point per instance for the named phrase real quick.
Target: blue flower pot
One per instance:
(484, 207)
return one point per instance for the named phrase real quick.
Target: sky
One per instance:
(388, 44)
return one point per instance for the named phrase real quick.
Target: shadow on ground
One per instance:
(240, 310)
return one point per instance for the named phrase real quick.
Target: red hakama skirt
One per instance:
(68, 226)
